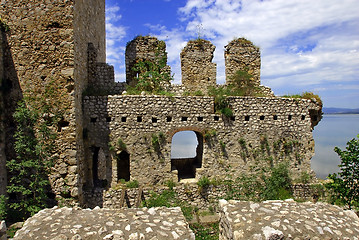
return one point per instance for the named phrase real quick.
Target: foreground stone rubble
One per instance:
(286, 220)
(99, 223)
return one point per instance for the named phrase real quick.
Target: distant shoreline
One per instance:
(340, 111)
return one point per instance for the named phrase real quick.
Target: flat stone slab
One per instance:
(100, 223)
(286, 220)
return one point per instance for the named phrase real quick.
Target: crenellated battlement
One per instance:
(198, 70)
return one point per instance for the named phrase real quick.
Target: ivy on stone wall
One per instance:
(242, 85)
(152, 76)
(37, 120)
(28, 182)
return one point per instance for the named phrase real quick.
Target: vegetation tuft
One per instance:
(306, 95)
(132, 184)
(242, 85)
(169, 198)
(344, 187)
(152, 76)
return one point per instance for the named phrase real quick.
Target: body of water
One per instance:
(334, 130)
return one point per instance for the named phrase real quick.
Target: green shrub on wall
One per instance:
(157, 140)
(37, 118)
(3, 207)
(29, 171)
(242, 85)
(152, 76)
(306, 95)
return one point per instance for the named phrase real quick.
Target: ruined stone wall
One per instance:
(278, 219)
(262, 133)
(198, 71)
(101, 76)
(48, 42)
(145, 48)
(191, 193)
(89, 28)
(241, 54)
(3, 175)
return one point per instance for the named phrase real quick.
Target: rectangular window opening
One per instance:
(93, 119)
(275, 117)
(246, 118)
(233, 118)
(200, 119)
(108, 119)
(261, 117)
(169, 119)
(303, 117)
(154, 120)
(289, 117)
(183, 119)
(216, 118)
(123, 119)
(139, 119)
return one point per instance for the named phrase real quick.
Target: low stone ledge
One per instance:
(286, 220)
(102, 223)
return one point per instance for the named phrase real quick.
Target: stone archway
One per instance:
(186, 165)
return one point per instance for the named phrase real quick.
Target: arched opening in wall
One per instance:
(123, 166)
(186, 153)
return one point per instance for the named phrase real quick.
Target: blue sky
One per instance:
(306, 45)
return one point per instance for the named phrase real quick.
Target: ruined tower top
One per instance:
(198, 71)
(144, 48)
(241, 54)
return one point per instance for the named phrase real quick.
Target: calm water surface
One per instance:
(333, 130)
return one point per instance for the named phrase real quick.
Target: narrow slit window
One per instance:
(289, 117)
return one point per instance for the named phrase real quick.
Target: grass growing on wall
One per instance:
(306, 95)
(169, 198)
(242, 85)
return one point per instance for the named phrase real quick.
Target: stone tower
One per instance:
(3, 175)
(145, 48)
(198, 71)
(241, 54)
(47, 43)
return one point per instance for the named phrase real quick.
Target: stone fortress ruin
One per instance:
(106, 135)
